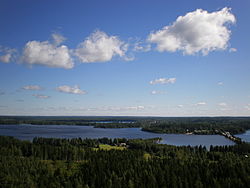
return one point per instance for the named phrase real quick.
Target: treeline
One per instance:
(182, 125)
(77, 163)
(199, 125)
(98, 122)
(118, 125)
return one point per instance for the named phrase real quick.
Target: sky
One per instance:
(125, 58)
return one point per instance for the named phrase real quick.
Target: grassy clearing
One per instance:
(109, 147)
(147, 156)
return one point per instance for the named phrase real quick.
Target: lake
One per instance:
(28, 132)
(245, 136)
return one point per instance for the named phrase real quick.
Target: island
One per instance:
(225, 126)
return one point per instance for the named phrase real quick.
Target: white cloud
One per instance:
(232, 50)
(39, 96)
(47, 54)
(180, 106)
(157, 92)
(5, 58)
(6, 54)
(197, 31)
(31, 87)
(58, 38)
(200, 104)
(154, 92)
(141, 47)
(134, 108)
(129, 58)
(73, 90)
(220, 83)
(163, 81)
(99, 47)
(222, 104)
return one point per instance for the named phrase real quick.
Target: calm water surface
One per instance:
(245, 136)
(28, 132)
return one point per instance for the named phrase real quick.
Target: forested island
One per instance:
(179, 125)
(118, 163)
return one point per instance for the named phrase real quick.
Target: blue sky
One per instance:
(149, 58)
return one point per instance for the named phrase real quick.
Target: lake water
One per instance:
(28, 132)
(245, 136)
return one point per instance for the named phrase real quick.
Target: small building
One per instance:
(122, 144)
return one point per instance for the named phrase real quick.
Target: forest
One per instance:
(199, 126)
(180, 125)
(50, 162)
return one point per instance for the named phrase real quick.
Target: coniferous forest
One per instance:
(124, 94)
(180, 125)
(49, 162)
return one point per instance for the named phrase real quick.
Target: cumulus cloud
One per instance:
(220, 83)
(47, 54)
(197, 31)
(73, 90)
(99, 47)
(39, 96)
(31, 87)
(180, 106)
(6, 54)
(163, 81)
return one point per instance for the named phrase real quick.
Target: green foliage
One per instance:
(98, 122)
(215, 125)
(73, 163)
(195, 125)
(109, 147)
